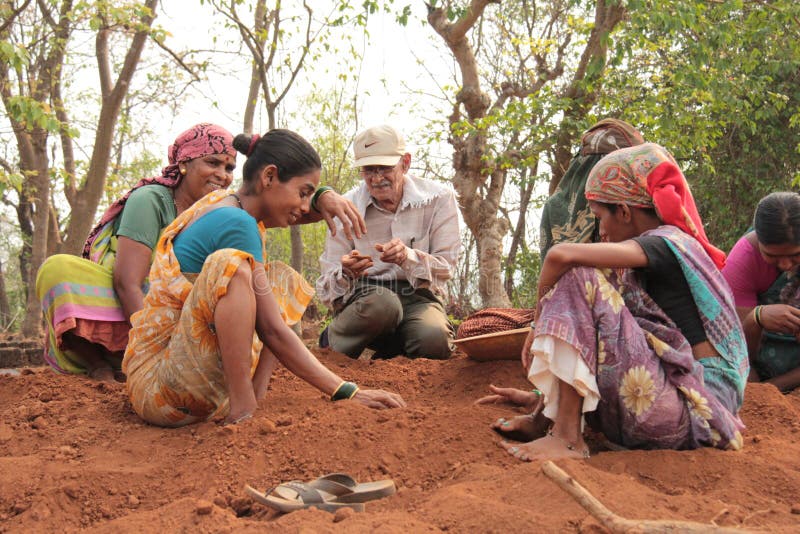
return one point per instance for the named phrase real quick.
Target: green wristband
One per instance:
(346, 390)
(318, 193)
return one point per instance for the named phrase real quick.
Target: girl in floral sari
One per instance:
(216, 316)
(639, 333)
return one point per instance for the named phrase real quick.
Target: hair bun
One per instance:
(253, 142)
(244, 143)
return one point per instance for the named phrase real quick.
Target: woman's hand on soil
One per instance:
(379, 399)
(513, 396)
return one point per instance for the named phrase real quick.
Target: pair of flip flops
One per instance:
(328, 493)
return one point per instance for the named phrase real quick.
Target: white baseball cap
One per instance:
(379, 145)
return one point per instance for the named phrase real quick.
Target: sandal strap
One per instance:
(338, 489)
(305, 493)
(340, 478)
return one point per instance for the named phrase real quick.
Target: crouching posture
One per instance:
(215, 318)
(639, 333)
(388, 287)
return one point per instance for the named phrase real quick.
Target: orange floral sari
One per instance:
(172, 361)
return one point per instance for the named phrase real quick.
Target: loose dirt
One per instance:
(73, 456)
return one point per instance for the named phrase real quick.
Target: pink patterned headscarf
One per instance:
(647, 176)
(200, 140)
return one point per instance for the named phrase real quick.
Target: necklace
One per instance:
(238, 200)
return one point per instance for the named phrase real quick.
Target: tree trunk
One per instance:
(297, 249)
(39, 180)
(480, 213)
(84, 201)
(259, 20)
(53, 233)
(608, 13)
(490, 281)
(466, 273)
(25, 220)
(31, 139)
(519, 233)
(5, 308)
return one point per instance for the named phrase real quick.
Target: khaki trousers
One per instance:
(391, 318)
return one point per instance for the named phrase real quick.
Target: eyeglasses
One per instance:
(374, 171)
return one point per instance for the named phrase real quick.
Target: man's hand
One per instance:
(331, 204)
(355, 264)
(395, 251)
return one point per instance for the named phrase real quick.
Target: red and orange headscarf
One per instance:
(200, 140)
(647, 176)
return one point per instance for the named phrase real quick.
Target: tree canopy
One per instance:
(514, 83)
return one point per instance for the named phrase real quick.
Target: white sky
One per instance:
(395, 85)
(389, 60)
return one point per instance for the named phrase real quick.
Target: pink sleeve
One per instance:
(747, 273)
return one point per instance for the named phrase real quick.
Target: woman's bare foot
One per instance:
(237, 419)
(260, 391)
(522, 427)
(241, 410)
(549, 447)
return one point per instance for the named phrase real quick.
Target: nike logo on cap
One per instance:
(367, 145)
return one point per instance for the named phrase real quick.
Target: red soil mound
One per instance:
(74, 456)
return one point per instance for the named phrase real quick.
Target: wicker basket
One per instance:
(496, 346)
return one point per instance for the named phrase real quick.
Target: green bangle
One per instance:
(534, 390)
(346, 390)
(757, 316)
(318, 193)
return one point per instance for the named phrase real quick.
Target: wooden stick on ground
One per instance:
(618, 524)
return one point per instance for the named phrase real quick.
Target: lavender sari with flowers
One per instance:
(642, 386)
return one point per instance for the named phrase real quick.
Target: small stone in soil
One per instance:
(342, 514)
(203, 507)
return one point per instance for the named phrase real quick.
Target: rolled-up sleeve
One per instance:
(332, 284)
(436, 266)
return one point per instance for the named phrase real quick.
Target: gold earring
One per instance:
(183, 170)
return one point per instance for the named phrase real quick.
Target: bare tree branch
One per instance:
(14, 14)
(6, 165)
(103, 66)
(178, 59)
(48, 16)
(301, 59)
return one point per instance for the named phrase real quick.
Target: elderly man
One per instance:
(387, 287)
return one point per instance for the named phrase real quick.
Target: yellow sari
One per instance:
(173, 361)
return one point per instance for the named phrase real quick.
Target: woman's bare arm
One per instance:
(130, 270)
